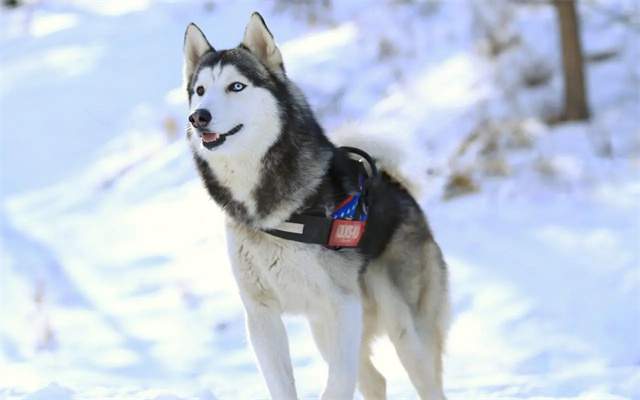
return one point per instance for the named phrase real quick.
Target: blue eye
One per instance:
(236, 87)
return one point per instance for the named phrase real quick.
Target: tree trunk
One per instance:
(575, 92)
(11, 3)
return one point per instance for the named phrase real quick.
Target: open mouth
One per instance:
(213, 139)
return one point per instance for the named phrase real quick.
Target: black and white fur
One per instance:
(278, 161)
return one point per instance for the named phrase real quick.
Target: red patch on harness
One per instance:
(346, 233)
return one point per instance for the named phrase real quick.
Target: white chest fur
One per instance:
(298, 277)
(241, 176)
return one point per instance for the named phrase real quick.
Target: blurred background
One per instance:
(519, 119)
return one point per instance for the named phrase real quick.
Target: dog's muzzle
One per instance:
(211, 140)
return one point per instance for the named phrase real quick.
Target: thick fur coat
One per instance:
(262, 157)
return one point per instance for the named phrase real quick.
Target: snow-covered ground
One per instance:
(114, 283)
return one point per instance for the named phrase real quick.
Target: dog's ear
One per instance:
(195, 45)
(259, 40)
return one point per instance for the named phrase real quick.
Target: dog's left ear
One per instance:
(195, 45)
(259, 40)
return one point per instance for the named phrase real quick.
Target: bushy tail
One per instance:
(390, 156)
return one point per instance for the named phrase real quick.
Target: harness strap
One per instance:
(304, 228)
(346, 225)
(360, 154)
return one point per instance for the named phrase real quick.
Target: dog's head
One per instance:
(233, 94)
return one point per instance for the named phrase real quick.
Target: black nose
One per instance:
(200, 118)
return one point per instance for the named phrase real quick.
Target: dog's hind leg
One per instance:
(430, 321)
(431, 315)
(418, 348)
(418, 356)
(371, 383)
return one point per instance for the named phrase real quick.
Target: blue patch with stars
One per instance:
(352, 208)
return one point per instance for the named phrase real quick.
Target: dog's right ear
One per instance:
(259, 40)
(195, 45)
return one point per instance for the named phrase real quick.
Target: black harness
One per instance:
(346, 225)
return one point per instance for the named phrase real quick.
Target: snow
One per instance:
(114, 282)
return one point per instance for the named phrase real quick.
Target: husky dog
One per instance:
(262, 157)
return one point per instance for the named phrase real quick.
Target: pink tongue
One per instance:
(208, 137)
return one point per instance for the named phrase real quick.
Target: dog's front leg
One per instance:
(338, 336)
(270, 344)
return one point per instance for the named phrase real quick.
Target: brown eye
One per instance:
(200, 90)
